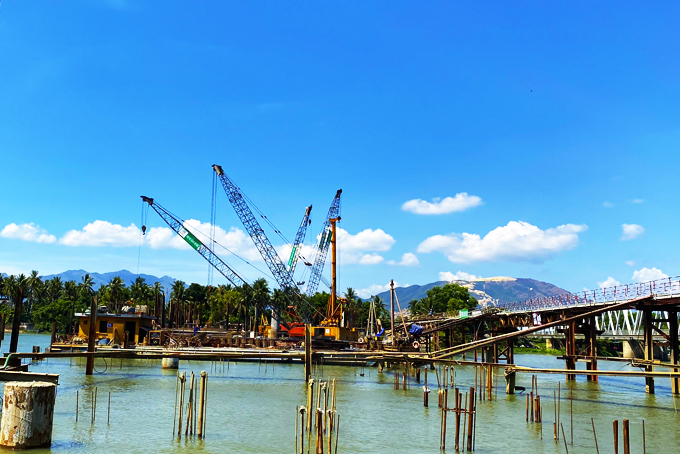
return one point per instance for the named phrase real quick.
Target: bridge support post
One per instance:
(675, 353)
(647, 321)
(592, 348)
(509, 382)
(496, 359)
(570, 340)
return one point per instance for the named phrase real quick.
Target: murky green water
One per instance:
(253, 411)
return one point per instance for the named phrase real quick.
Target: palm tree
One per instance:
(71, 294)
(54, 289)
(116, 287)
(35, 287)
(178, 298)
(86, 284)
(244, 302)
(351, 298)
(261, 297)
(18, 287)
(158, 298)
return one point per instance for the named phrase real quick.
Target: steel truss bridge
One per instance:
(623, 323)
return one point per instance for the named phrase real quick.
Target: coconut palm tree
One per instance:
(244, 303)
(35, 287)
(261, 296)
(71, 293)
(116, 288)
(18, 288)
(158, 298)
(178, 298)
(351, 306)
(54, 289)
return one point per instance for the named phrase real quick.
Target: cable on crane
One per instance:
(263, 216)
(230, 251)
(145, 216)
(213, 216)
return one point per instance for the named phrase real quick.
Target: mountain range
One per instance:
(494, 290)
(104, 278)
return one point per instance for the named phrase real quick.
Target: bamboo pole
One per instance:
(615, 425)
(471, 419)
(201, 405)
(597, 448)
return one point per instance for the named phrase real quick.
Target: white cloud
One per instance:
(27, 232)
(607, 204)
(646, 275)
(361, 247)
(631, 231)
(235, 240)
(518, 241)
(408, 259)
(102, 233)
(370, 259)
(459, 276)
(630, 262)
(366, 240)
(374, 289)
(638, 201)
(461, 202)
(609, 282)
(352, 249)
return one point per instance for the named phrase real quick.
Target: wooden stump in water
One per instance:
(27, 415)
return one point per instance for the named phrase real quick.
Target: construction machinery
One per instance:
(299, 239)
(322, 249)
(178, 226)
(281, 273)
(333, 325)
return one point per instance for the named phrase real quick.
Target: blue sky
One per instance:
(551, 126)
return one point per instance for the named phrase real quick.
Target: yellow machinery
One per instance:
(332, 324)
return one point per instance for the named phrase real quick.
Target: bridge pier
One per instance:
(570, 341)
(591, 339)
(675, 352)
(648, 333)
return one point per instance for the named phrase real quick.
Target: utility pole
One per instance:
(89, 366)
(392, 309)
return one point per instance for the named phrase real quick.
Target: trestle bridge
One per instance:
(647, 312)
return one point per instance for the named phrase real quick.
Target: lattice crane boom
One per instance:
(299, 239)
(322, 249)
(252, 226)
(178, 227)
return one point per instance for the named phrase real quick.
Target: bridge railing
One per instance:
(669, 286)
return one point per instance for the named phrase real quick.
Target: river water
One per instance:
(251, 409)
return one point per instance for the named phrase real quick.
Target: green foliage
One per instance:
(449, 298)
(221, 302)
(59, 312)
(196, 293)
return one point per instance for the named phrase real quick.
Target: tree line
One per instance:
(449, 299)
(44, 302)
